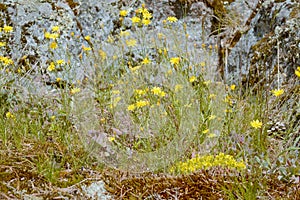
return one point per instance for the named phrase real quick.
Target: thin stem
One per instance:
(278, 64)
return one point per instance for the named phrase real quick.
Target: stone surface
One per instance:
(255, 50)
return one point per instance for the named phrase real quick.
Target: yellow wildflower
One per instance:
(146, 61)
(53, 45)
(55, 28)
(2, 44)
(147, 15)
(256, 124)
(158, 91)
(207, 161)
(175, 60)
(131, 107)
(202, 64)
(278, 92)
(110, 39)
(102, 120)
(58, 80)
(140, 92)
(205, 131)
(135, 20)
(47, 35)
(131, 42)
(9, 115)
(141, 103)
(123, 13)
(75, 90)
(86, 48)
(7, 28)
(172, 19)
(51, 67)
(88, 38)
(232, 87)
(192, 79)
(6, 60)
(228, 110)
(60, 62)
(51, 35)
(146, 22)
(111, 139)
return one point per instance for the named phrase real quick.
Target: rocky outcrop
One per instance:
(248, 33)
(273, 38)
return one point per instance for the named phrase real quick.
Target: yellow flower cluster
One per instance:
(143, 16)
(229, 100)
(131, 42)
(54, 35)
(6, 61)
(52, 66)
(157, 91)
(140, 92)
(51, 35)
(141, 102)
(278, 92)
(6, 29)
(206, 162)
(9, 115)
(138, 104)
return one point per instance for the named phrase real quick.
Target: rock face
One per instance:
(273, 38)
(248, 32)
